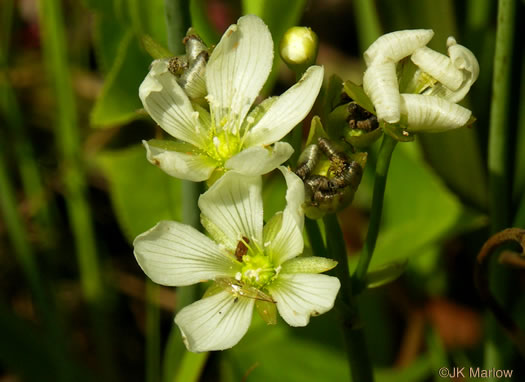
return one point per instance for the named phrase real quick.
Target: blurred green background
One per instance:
(76, 188)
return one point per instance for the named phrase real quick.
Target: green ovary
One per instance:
(257, 270)
(223, 146)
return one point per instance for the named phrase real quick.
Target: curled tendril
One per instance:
(516, 334)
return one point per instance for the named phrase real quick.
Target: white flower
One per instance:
(436, 84)
(250, 263)
(232, 135)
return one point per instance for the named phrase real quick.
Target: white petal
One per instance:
(438, 66)
(217, 322)
(176, 254)
(288, 242)
(189, 166)
(169, 106)
(432, 114)
(259, 160)
(300, 296)
(238, 68)
(392, 47)
(234, 204)
(463, 59)
(294, 196)
(380, 84)
(289, 109)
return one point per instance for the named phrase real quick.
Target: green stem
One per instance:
(346, 305)
(177, 20)
(383, 163)
(68, 141)
(499, 127)
(367, 21)
(498, 165)
(152, 332)
(314, 237)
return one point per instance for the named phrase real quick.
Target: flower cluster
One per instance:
(205, 100)
(421, 93)
(227, 141)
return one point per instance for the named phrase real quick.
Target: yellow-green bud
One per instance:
(298, 48)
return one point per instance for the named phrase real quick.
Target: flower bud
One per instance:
(298, 48)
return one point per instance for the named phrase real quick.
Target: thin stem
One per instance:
(314, 237)
(177, 20)
(68, 140)
(481, 279)
(346, 305)
(152, 332)
(498, 164)
(367, 21)
(499, 126)
(383, 163)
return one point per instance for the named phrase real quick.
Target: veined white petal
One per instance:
(234, 204)
(392, 47)
(432, 114)
(438, 66)
(259, 160)
(189, 166)
(288, 110)
(300, 296)
(169, 106)
(288, 241)
(380, 84)
(217, 322)
(176, 254)
(238, 69)
(294, 196)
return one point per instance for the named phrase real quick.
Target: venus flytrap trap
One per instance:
(231, 134)
(251, 264)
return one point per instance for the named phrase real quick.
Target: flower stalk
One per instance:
(383, 162)
(346, 305)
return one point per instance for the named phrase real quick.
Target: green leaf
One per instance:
(418, 211)
(119, 99)
(191, 367)
(357, 94)
(385, 274)
(312, 353)
(141, 194)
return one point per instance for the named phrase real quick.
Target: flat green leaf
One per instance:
(141, 194)
(385, 274)
(119, 99)
(418, 211)
(313, 353)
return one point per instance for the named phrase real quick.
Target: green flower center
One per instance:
(257, 270)
(223, 146)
